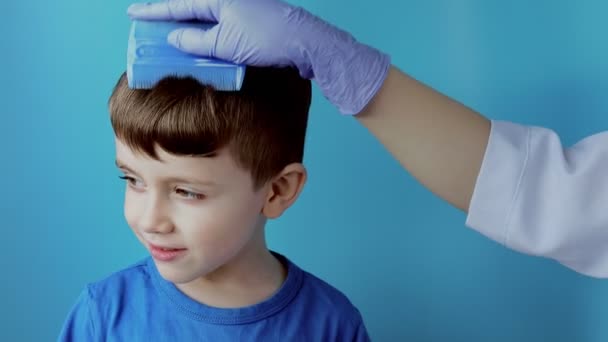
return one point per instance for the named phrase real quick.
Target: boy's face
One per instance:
(204, 209)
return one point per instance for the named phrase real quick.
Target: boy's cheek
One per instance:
(129, 212)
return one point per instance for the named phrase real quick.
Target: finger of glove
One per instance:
(196, 41)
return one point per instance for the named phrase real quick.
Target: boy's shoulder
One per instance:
(324, 292)
(322, 312)
(324, 300)
(135, 276)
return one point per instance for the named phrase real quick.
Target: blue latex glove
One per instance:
(274, 33)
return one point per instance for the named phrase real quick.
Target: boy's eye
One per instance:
(132, 181)
(189, 194)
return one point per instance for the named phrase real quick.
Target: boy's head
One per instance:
(263, 124)
(205, 168)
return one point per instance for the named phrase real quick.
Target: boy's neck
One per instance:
(250, 278)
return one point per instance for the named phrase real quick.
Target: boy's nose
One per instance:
(161, 227)
(154, 219)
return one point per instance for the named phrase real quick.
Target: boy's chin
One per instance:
(175, 274)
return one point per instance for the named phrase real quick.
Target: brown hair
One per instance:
(263, 124)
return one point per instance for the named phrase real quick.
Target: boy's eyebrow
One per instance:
(122, 165)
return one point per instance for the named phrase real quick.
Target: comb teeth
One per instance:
(222, 78)
(150, 59)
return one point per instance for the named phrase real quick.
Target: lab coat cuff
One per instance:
(499, 180)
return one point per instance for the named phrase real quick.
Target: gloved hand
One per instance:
(274, 33)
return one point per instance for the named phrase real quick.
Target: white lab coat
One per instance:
(537, 197)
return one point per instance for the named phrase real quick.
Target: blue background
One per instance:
(403, 256)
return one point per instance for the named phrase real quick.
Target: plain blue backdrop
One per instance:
(363, 224)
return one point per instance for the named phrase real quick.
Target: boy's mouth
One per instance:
(165, 253)
(168, 248)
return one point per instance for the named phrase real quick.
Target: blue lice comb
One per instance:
(150, 59)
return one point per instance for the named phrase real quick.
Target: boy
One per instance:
(204, 171)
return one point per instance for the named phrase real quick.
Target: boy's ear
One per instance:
(284, 189)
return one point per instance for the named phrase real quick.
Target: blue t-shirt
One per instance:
(137, 304)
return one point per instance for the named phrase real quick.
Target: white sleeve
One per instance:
(537, 197)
